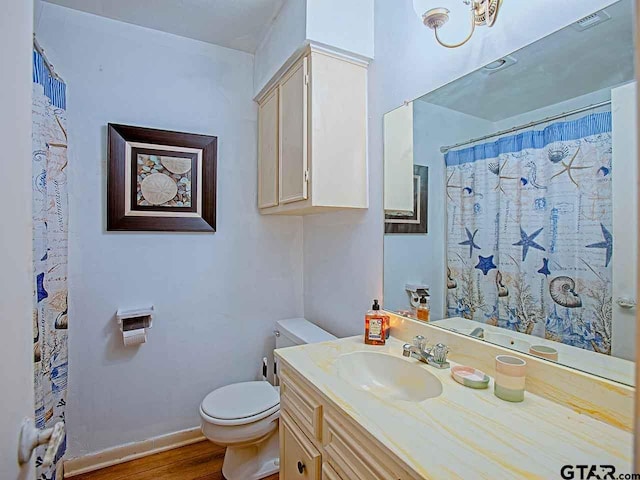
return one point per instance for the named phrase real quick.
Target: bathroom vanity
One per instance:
(352, 411)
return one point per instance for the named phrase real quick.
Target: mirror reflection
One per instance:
(510, 200)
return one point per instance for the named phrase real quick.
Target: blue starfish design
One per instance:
(545, 267)
(527, 241)
(42, 292)
(470, 242)
(607, 244)
(485, 264)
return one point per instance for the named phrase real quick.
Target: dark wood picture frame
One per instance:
(118, 220)
(418, 222)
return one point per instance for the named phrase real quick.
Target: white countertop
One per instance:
(465, 433)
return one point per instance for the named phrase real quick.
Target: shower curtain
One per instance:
(529, 232)
(50, 321)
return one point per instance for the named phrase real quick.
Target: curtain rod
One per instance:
(526, 125)
(48, 64)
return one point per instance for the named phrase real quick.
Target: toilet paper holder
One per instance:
(134, 324)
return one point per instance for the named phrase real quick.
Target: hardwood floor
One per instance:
(200, 461)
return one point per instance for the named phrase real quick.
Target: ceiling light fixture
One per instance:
(483, 12)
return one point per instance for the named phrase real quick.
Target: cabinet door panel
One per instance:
(303, 408)
(299, 459)
(353, 458)
(268, 152)
(293, 134)
(329, 473)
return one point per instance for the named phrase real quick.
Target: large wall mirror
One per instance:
(510, 195)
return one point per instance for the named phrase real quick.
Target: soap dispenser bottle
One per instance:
(375, 326)
(423, 308)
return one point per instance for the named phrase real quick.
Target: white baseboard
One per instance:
(131, 451)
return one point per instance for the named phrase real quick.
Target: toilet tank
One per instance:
(299, 331)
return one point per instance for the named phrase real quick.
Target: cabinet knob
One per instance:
(301, 467)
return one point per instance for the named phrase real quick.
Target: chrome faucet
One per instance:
(435, 356)
(478, 333)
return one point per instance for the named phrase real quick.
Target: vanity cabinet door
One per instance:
(302, 406)
(299, 459)
(353, 457)
(268, 151)
(328, 473)
(294, 96)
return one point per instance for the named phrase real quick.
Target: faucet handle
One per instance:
(439, 356)
(420, 342)
(440, 352)
(406, 350)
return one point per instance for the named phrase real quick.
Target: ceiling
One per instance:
(238, 24)
(562, 66)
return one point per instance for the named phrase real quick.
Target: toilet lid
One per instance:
(240, 400)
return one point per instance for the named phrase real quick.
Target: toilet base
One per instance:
(254, 462)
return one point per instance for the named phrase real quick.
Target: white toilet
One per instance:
(244, 416)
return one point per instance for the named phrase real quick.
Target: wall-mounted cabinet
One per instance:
(313, 137)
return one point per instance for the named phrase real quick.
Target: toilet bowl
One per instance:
(244, 416)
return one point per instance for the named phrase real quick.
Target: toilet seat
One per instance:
(241, 403)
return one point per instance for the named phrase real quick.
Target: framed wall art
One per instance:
(415, 222)
(160, 180)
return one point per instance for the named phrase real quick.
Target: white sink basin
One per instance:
(507, 341)
(387, 376)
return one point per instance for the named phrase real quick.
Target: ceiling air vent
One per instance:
(591, 20)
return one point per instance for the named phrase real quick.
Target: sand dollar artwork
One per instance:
(158, 188)
(176, 164)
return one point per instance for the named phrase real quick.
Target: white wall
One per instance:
(216, 295)
(343, 251)
(422, 258)
(345, 25)
(285, 36)
(581, 101)
(625, 217)
(16, 281)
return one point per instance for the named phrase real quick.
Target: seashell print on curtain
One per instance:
(50, 321)
(530, 232)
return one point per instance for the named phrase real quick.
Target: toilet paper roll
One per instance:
(134, 337)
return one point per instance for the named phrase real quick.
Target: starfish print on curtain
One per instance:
(527, 241)
(607, 244)
(568, 168)
(470, 241)
(485, 264)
